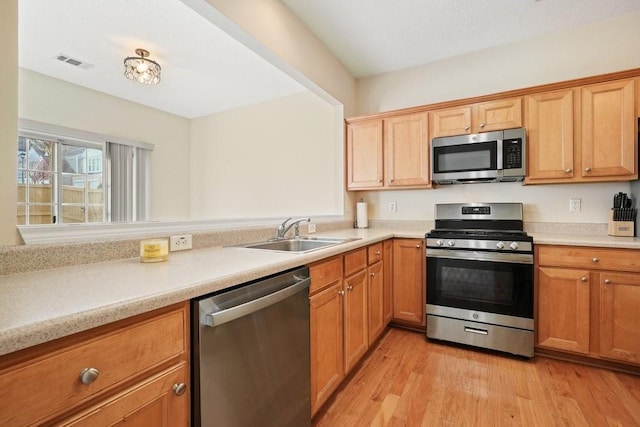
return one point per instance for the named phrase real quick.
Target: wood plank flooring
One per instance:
(409, 381)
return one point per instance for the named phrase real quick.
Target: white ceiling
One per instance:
(376, 36)
(204, 70)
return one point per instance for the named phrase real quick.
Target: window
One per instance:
(69, 176)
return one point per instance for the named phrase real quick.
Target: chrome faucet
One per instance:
(282, 230)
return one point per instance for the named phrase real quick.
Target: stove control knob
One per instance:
(514, 245)
(439, 242)
(500, 245)
(451, 243)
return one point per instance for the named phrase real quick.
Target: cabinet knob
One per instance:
(595, 259)
(349, 288)
(466, 128)
(341, 292)
(607, 281)
(89, 375)
(418, 246)
(587, 169)
(584, 278)
(481, 125)
(378, 253)
(372, 274)
(379, 181)
(390, 181)
(179, 389)
(569, 170)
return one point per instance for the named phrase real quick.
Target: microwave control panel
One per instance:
(512, 153)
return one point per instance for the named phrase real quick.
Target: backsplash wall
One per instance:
(542, 203)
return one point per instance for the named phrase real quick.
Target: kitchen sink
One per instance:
(297, 245)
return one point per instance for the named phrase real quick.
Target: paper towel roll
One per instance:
(362, 219)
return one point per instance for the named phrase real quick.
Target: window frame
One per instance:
(61, 135)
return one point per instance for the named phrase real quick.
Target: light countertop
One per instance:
(44, 305)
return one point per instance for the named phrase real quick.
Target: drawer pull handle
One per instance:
(179, 389)
(476, 331)
(583, 278)
(89, 375)
(607, 281)
(595, 259)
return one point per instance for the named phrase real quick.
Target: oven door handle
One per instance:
(480, 256)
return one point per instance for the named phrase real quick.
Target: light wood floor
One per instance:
(408, 381)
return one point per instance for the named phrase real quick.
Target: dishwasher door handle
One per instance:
(227, 315)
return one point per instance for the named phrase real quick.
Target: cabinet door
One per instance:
(327, 358)
(608, 130)
(619, 320)
(364, 155)
(408, 280)
(406, 145)
(451, 121)
(355, 319)
(375, 301)
(162, 400)
(550, 136)
(387, 271)
(498, 115)
(563, 309)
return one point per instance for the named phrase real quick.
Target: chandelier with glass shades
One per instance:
(142, 70)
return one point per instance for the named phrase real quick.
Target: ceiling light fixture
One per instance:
(142, 70)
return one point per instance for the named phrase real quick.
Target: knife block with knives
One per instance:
(622, 217)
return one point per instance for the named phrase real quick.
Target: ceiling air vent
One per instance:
(72, 61)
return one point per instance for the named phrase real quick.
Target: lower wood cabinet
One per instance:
(409, 283)
(135, 369)
(588, 300)
(347, 300)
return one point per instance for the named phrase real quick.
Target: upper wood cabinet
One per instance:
(550, 136)
(364, 155)
(609, 130)
(480, 117)
(388, 153)
(582, 134)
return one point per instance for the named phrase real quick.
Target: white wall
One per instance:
(608, 46)
(57, 102)
(274, 159)
(8, 120)
(600, 48)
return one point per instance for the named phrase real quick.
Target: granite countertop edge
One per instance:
(93, 295)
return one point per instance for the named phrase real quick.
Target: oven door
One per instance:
(488, 282)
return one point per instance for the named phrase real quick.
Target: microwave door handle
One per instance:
(499, 154)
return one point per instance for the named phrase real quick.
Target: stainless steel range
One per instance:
(480, 277)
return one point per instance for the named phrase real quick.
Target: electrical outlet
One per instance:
(311, 228)
(393, 207)
(180, 243)
(575, 205)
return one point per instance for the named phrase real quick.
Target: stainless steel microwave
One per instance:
(481, 157)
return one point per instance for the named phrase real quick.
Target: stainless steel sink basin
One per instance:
(298, 245)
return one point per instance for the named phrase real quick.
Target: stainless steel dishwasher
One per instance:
(251, 354)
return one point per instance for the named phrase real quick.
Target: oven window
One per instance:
(465, 157)
(492, 287)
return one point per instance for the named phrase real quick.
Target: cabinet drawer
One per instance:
(355, 261)
(37, 389)
(591, 258)
(325, 273)
(374, 253)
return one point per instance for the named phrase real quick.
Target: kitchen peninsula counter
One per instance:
(44, 305)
